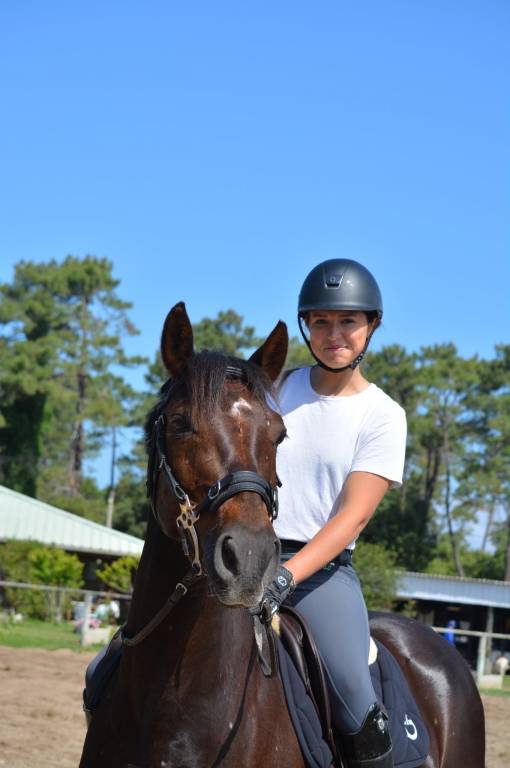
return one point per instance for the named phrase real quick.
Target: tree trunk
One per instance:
(447, 506)
(488, 525)
(111, 493)
(431, 475)
(507, 557)
(78, 438)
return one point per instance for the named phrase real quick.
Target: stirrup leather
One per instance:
(370, 747)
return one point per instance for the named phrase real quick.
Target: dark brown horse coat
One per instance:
(192, 694)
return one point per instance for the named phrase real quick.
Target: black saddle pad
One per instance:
(409, 735)
(303, 714)
(408, 732)
(100, 670)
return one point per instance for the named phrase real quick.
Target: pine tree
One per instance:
(63, 332)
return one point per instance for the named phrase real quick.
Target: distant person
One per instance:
(114, 608)
(450, 636)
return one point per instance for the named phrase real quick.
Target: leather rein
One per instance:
(230, 485)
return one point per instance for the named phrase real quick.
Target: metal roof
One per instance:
(453, 589)
(22, 518)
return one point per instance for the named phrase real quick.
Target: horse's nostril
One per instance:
(228, 552)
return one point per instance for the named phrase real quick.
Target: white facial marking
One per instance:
(239, 406)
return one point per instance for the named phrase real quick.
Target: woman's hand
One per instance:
(276, 592)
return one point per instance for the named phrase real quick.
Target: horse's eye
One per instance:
(179, 424)
(281, 437)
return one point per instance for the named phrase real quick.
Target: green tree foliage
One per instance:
(132, 508)
(55, 567)
(32, 563)
(485, 483)
(376, 570)
(15, 565)
(225, 333)
(119, 574)
(63, 328)
(403, 522)
(477, 564)
(298, 355)
(441, 393)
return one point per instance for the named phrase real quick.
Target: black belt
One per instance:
(289, 546)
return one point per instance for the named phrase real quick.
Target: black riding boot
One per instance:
(370, 747)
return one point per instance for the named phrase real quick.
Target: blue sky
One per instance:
(215, 152)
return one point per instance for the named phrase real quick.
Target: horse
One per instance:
(189, 691)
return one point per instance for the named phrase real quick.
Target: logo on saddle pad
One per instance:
(412, 733)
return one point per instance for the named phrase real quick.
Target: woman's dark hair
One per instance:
(370, 314)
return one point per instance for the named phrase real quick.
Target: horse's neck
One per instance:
(161, 567)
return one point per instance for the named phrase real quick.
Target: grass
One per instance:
(495, 692)
(32, 633)
(505, 691)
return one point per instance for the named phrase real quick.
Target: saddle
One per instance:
(307, 698)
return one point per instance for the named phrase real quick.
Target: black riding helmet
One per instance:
(339, 284)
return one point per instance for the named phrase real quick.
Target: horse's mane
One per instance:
(201, 385)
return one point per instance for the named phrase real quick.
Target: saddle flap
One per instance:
(301, 647)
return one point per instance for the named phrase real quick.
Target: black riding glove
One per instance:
(276, 593)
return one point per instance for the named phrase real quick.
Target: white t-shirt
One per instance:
(329, 437)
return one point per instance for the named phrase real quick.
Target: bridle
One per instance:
(217, 494)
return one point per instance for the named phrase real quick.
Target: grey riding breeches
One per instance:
(332, 604)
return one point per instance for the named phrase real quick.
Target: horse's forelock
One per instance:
(207, 372)
(202, 385)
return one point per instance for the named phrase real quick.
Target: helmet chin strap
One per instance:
(357, 360)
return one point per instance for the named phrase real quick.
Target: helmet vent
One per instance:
(333, 281)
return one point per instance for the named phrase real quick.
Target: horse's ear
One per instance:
(176, 340)
(271, 355)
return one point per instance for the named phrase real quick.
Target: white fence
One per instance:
(88, 636)
(483, 637)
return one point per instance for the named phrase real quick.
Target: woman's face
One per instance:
(337, 337)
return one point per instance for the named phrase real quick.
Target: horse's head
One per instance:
(212, 449)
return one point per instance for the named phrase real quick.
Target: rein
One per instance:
(217, 494)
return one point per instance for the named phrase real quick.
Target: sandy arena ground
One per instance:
(42, 723)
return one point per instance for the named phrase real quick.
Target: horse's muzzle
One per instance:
(241, 563)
